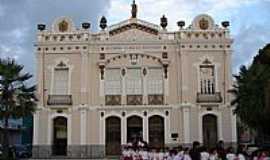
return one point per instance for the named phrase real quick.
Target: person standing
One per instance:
(194, 152)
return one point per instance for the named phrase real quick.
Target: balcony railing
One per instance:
(155, 99)
(134, 99)
(59, 100)
(209, 98)
(113, 100)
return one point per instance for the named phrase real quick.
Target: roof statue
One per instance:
(134, 10)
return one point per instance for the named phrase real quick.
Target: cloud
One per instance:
(249, 19)
(18, 20)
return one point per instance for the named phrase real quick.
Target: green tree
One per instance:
(17, 98)
(251, 93)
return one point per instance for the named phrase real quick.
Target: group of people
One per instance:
(140, 151)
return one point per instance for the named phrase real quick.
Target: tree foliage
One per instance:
(252, 92)
(17, 98)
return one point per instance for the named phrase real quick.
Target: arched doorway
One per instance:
(156, 131)
(60, 136)
(113, 135)
(134, 128)
(210, 132)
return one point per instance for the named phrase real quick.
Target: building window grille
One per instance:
(207, 79)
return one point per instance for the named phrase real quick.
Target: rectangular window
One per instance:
(60, 81)
(207, 79)
(134, 82)
(113, 84)
(155, 81)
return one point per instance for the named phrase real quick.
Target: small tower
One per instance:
(134, 10)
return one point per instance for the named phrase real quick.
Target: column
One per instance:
(123, 130)
(123, 96)
(233, 125)
(167, 128)
(69, 125)
(145, 129)
(186, 123)
(83, 115)
(84, 79)
(36, 128)
(145, 100)
(220, 126)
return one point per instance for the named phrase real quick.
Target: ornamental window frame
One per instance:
(61, 63)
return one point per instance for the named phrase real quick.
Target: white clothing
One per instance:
(187, 157)
(160, 155)
(230, 156)
(204, 156)
(213, 157)
(144, 155)
(240, 157)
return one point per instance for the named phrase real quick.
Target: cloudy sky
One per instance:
(250, 21)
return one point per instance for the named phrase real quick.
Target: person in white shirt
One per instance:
(166, 153)
(204, 154)
(125, 153)
(213, 154)
(186, 154)
(144, 154)
(156, 155)
(230, 155)
(180, 154)
(161, 154)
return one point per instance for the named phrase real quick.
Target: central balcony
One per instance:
(209, 98)
(59, 100)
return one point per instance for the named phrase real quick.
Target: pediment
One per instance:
(133, 35)
(134, 28)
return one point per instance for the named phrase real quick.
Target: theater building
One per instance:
(134, 79)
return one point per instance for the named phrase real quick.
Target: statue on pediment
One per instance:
(134, 10)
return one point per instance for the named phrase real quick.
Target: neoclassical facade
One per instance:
(131, 80)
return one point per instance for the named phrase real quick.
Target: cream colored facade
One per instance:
(184, 58)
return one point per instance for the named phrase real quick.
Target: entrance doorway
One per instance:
(113, 136)
(134, 128)
(60, 136)
(156, 131)
(210, 136)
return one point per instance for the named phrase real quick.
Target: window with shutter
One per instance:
(155, 86)
(60, 81)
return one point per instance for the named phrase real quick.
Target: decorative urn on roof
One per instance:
(103, 23)
(163, 22)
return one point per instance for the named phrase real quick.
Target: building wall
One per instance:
(186, 50)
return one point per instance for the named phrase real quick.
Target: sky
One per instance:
(249, 19)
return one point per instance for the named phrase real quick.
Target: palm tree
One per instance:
(17, 98)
